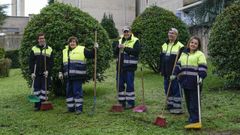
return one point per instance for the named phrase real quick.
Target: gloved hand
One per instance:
(172, 77)
(45, 73)
(200, 80)
(33, 76)
(96, 45)
(60, 75)
(121, 46)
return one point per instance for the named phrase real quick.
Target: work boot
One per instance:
(78, 112)
(197, 125)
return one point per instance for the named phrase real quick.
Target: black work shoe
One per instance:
(36, 109)
(78, 112)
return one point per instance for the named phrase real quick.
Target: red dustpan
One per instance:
(118, 107)
(142, 107)
(161, 120)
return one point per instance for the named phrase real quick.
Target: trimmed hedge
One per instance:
(224, 45)
(14, 56)
(109, 25)
(5, 65)
(60, 21)
(151, 27)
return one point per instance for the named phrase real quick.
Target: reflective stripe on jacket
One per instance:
(167, 57)
(189, 66)
(129, 60)
(74, 61)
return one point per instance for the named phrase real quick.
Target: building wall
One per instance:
(171, 5)
(13, 28)
(123, 11)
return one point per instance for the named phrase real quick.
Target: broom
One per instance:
(118, 107)
(95, 75)
(32, 98)
(161, 120)
(46, 105)
(142, 107)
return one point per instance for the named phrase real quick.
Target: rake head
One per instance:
(160, 121)
(46, 106)
(140, 108)
(117, 108)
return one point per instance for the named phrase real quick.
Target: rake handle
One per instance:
(170, 83)
(143, 101)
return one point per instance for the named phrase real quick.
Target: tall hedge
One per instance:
(151, 27)
(109, 25)
(224, 45)
(60, 21)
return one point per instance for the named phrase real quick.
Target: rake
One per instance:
(95, 75)
(32, 98)
(161, 120)
(142, 107)
(46, 105)
(118, 107)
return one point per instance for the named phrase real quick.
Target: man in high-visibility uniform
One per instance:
(38, 55)
(74, 71)
(129, 48)
(191, 69)
(168, 55)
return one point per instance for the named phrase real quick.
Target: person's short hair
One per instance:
(40, 34)
(174, 30)
(70, 39)
(126, 28)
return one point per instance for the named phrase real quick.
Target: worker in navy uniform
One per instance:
(169, 53)
(129, 47)
(74, 70)
(191, 69)
(38, 55)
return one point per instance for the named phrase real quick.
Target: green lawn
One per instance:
(220, 110)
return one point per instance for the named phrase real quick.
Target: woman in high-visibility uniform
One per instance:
(191, 66)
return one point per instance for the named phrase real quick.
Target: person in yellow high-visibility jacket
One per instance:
(74, 71)
(191, 66)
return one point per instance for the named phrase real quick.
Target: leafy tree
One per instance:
(60, 21)
(208, 11)
(109, 25)
(50, 2)
(151, 27)
(2, 14)
(224, 45)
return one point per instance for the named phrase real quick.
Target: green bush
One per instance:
(224, 45)
(151, 27)
(60, 21)
(14, 56)
(109, 25)
(5, 65)
(2, 53)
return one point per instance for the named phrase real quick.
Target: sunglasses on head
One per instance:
(125, 31)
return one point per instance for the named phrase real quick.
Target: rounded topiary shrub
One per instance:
(152, 27)
(59, 22)
(224, 45)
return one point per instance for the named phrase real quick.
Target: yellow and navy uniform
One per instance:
(74, 62)
(129, 57)
(168, 55)
(37, 57)
(189, 66)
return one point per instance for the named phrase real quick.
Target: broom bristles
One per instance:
(46, 106)
(160, 121)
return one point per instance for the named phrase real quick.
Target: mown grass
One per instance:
(220, 110)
